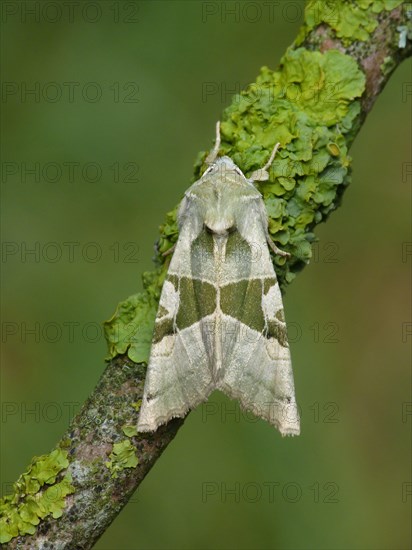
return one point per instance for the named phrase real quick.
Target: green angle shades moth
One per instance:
(220, 323)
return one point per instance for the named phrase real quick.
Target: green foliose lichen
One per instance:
(131, 327)
(39, 492)
(137, 404)
(311, 106)
(350, 19)
(129, 430)
(122, 456)
(388, 65)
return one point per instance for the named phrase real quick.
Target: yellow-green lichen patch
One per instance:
(129, 430)
(168, 232)
(131, 327)
(122, 456)
(137, 404)
(350, 19)
(38, 493)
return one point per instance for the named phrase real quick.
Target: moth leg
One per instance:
(277, 250)
(169, 251)
(262, 174)
(211, 157)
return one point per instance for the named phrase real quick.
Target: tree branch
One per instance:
(93, 468)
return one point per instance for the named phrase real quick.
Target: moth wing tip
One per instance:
(279, 421)
(147, 425)
(289, 431)
(286, 427)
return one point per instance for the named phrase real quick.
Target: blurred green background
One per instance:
(127, 94)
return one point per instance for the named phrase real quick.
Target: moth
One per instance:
(220, 323)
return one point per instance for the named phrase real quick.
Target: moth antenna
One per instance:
(272, 156)
(262, 174)
(211, 157)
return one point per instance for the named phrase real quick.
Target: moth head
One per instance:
(223, 167)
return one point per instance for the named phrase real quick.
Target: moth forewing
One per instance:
(220, 323)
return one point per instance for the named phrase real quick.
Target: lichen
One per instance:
(388, 65)
(129, 430)
(131, 327)
(405, 31)
(310, 105)
(351, 20)
(122, 456)
(39, 492)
